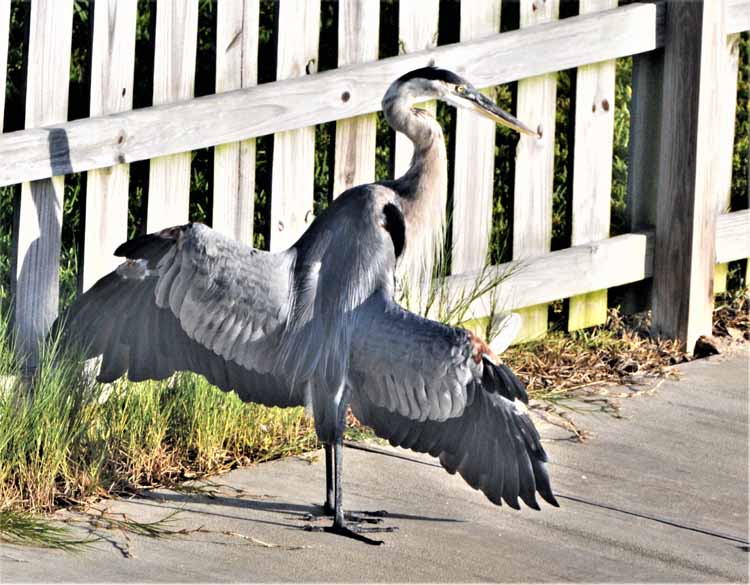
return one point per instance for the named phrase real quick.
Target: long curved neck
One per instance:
(423, 189)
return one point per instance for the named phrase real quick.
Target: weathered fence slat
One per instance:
(417, 31)
(174, 79)
(112, 63)
(686, 207)
(532, 209)
(592, 168)
(733, 236)
(359, 26)
(40, 214)
(725, 118)
(237, 24)
(296, 103)
(474, 162)
(4, 32)
(292, 178)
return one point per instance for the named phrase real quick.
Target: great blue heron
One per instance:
(317, 325)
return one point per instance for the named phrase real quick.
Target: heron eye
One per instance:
(461, 89)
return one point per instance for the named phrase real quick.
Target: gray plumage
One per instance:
(317, 326)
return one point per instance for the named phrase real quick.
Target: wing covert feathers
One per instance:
(189, 299)
(428, 387)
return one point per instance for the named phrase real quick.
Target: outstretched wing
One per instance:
(424, 386)
(189, 298)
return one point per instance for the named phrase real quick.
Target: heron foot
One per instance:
(353, 531)
(358, 517)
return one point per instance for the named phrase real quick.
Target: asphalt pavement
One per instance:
(659, 495)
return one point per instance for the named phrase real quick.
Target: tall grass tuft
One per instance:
(65, 438)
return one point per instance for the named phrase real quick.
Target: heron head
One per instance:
(436, 83)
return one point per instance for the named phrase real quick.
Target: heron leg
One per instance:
(339, 521)
(328, 507)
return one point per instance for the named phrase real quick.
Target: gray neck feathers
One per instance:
(424, 186)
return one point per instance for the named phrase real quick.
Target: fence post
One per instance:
(592, 168)
(686, 206)
(643, 158)
(234, 163)
(417, 31)
(176, 40)
(533, 189)
(112, 66)
(293, 166)
(474, 163)
(359, 26)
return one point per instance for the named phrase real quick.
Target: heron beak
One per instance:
(483, 105)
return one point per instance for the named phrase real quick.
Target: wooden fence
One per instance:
(684, 91)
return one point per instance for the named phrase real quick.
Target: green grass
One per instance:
(22, 528)
(71, 440)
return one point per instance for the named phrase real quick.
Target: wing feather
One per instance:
(417, 384)
(415, 367)
(189, 298)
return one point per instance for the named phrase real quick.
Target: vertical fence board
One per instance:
(4, 33)
(292, 178)
(359, 24)
(684, 251)
(592, 168)
(112, 63)
(417, 31)
(174, 79)
(475, 157)
(532, 194)
(234, 164)
(730, 57)
(40, 214)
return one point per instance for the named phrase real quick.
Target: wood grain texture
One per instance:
(738, 16)
(4, 32)
(237, 24)
(474, 163)
(592, 167)
(644, 146)
(174, 79)
(417, 32)
(733, 236)
(532, 209)
(359, 26)
(294, 150)
(314, 99)
(40, 214)
(730, 57)
(112, 63)
(644, 156)
(686, 208)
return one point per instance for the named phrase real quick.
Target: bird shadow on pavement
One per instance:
(292, 513)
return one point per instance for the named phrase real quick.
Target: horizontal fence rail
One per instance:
(582, 269)
(332, 95)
